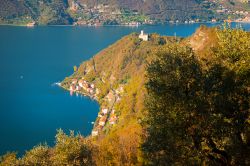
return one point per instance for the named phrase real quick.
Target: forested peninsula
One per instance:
(163, 101)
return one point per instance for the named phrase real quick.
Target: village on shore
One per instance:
(107, 114)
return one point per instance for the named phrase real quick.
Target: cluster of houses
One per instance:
(83, 86)
(100, 14)
(105, 116)
(243, 16)
(96, 14)
(108, 114)
(246, 19)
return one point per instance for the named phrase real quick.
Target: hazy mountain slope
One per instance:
(167, 10)
(41, 11)
(159, 9)
(12, 8)
(100, 11)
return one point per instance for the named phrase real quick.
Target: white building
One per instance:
(72, 88)
(102, 121)
(74, 81)
(94, 133)
(143, 36)
(105, 111)
(78, 88)
(81, 83)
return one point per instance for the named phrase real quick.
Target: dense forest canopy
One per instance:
(200, 115)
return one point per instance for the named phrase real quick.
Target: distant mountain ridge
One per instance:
(41, 11)
(119, 11)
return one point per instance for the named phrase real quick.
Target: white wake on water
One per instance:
(56, 84)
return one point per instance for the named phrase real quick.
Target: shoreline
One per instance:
(106, 117)
(81, 93)
(122, 25)
(85, 94)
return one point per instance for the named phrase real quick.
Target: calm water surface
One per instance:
(32, 59)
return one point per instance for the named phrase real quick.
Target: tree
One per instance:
(233, 51)
(173, 80)
(68, 150)
(199, 114)
(39, 155)
(71, 150)
(8, 159)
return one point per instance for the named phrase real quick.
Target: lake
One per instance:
(32, 107)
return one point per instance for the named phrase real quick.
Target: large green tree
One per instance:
(197, 114)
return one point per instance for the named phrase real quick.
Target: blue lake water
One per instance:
(32, 59)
